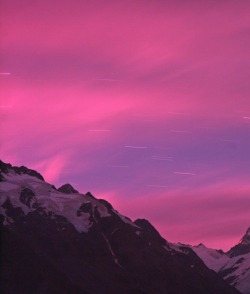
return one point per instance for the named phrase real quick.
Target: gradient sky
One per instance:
(144, 103)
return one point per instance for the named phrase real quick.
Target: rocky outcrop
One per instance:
(67, 189)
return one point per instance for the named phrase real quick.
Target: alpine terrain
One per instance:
(233, 266)
(62, 241)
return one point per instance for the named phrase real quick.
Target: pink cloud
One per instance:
(52, 168)
(217, 220)
(160, 74)
(174, 53)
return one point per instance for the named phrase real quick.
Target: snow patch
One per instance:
(111, 250)
(50, 199)
(178, 247)
(211, 257)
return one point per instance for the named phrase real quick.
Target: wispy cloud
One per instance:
(146, 101)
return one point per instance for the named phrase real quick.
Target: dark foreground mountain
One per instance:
(233, 266)
(61, 241)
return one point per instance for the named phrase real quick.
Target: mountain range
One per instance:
(57, 240)
(233, 266)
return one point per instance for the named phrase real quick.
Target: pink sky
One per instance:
(144, 103)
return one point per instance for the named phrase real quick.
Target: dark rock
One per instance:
(7, 167)
(27, 196)
(85, 208)
(89, 195)
(2, 219)
(16, 213)
(4, 168)
(24, 170)
(243, 247)
(149, 232)
(67, 189)
(107, 204)
(227, 275)
(25, 270)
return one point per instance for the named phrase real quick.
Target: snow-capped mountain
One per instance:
(233, 266)
(212, 258)
(62, 241)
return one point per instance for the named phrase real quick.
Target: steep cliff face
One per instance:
(61, 241)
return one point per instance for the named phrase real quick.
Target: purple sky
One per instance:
(144, 103)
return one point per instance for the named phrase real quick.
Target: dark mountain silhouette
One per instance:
(61, 241)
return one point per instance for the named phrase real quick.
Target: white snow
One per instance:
(241, 272)
(219, 261)
(177, 247)
(211, 257)
(240, 266)
(49, 198)
(243, 284)
(111, 250)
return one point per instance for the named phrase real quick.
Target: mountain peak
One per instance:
(246, 238)
(6, 168)
(200, 245)
(243, 247)
(67, 189)
(149, 232)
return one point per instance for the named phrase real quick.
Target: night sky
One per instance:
(144, 103)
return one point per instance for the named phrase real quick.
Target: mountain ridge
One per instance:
(233, 266)
(75, 243)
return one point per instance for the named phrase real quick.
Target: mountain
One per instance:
(243, 247)
(62, 241)
(212, 258)
(233, 266)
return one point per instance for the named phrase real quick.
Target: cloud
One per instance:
(215, 219)
(171, 76)
(52, 167)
